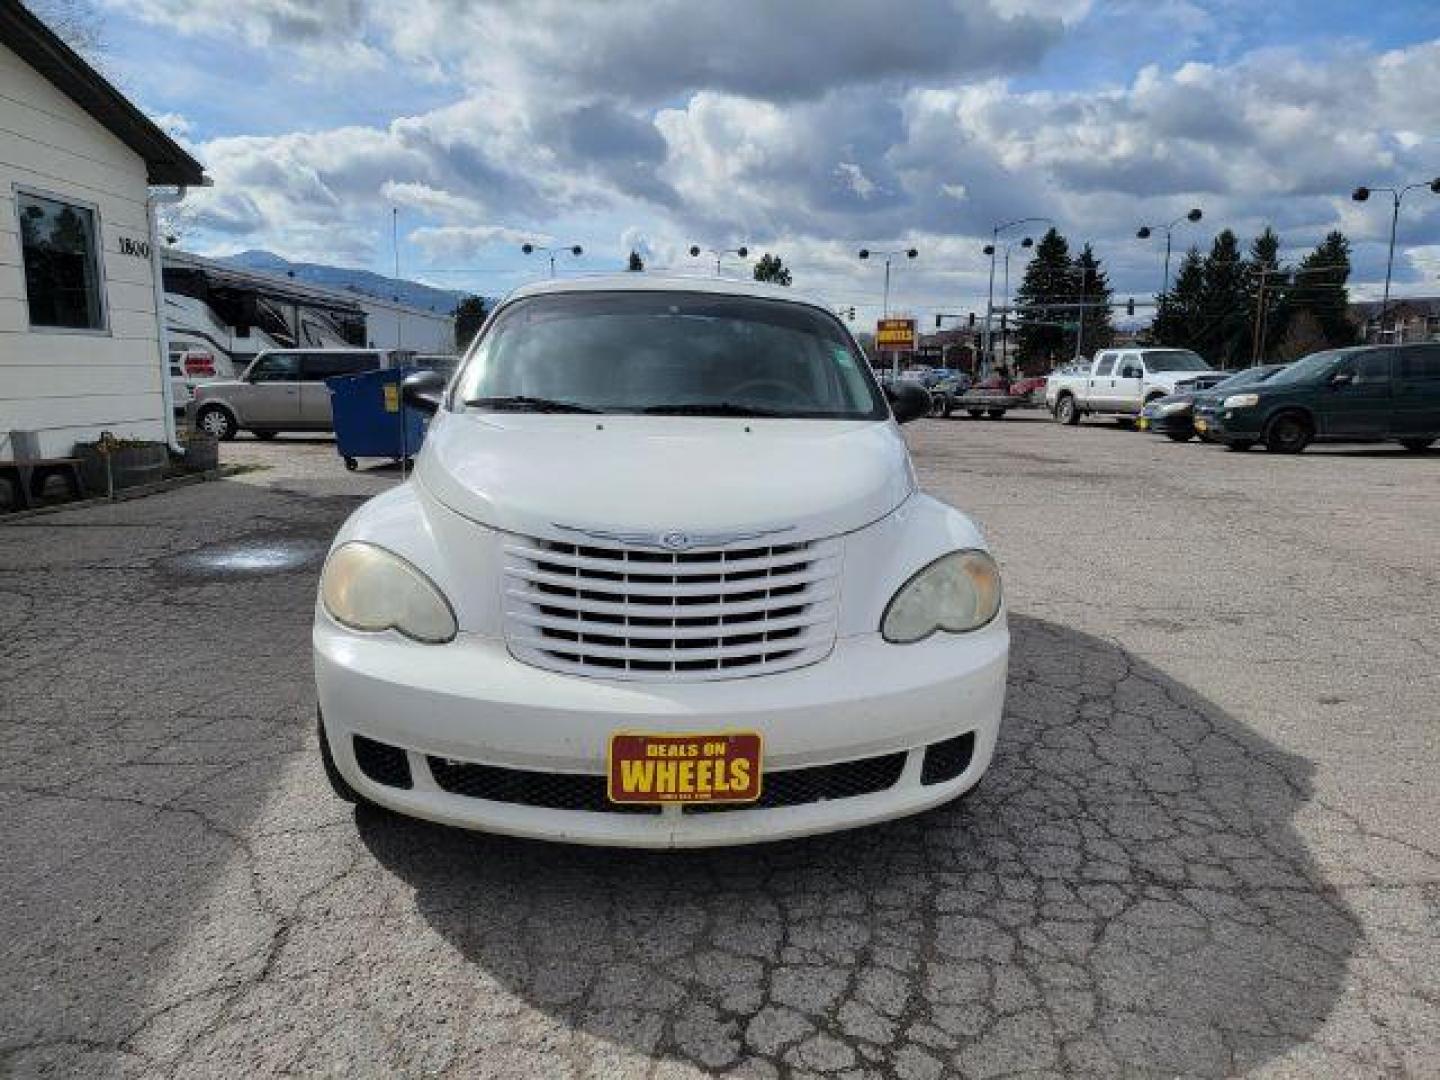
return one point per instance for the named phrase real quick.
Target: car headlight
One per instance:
(956, 593)
(1241, 401)
(368, 588)
(1174, 407)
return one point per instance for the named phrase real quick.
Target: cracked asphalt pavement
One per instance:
(1209, 845)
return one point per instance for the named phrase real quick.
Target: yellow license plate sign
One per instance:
(1202, 425)
(720, 767)
(1143, 424)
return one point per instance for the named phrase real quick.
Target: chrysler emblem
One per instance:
(674, 540)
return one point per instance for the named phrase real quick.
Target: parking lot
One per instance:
(1209, 845)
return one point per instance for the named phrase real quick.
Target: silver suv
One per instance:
(282, 390)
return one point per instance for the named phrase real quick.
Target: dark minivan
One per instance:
(1365, 394)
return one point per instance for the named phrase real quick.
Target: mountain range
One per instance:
(413, 293)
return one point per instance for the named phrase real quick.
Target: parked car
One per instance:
(1174, 415)
(1030, 389)
(282, 390)
(188, 368)
(663, 553)
(1120, 382)
(944, 393)
(1368, 393)
(992, 396)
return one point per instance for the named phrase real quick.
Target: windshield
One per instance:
(1175, 360)
(1313, 367)
(669, 353)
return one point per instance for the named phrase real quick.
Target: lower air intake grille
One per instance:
(567, 791)
(553, 791)
(385, 764)
(947, 760)
(796, 787)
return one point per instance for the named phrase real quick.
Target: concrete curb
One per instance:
(124, 495)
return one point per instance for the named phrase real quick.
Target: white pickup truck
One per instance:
(1120, 382)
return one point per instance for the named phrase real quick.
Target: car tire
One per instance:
(1066, 411)
(1178, 436)
(1416, 446)
(975, 414)
(1240, 445)
(949, 407)
(338, 784)
(216, 420)
(1288, 433)
(995, 414)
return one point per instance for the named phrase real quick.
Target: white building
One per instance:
(81, 348)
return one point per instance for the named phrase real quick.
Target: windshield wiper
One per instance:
(709, 408)
(522, 403)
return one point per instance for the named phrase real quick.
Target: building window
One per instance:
(62, 264)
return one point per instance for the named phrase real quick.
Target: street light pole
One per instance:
(909, 253)
(696, 251)
(1005, 312)
(1145, 232)
(1360, 194)
(990, 295)
(530, 249)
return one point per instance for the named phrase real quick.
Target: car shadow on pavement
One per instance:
(1125, 893)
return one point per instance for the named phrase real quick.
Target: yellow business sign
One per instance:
(895, 335)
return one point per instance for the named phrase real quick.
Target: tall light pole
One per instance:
(696, 251)
(990, 298)
(866, 253)
(1027, 242)
(1145, 232)
(574, 249)
(1360, 194)
(909, 253)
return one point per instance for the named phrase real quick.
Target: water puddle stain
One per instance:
(279, 556)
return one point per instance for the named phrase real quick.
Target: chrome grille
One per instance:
(640, 613)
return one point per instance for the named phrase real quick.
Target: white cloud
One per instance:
(807, 128)
(463, 243)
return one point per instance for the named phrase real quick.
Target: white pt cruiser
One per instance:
(662, 578)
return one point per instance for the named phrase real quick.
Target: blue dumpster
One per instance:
(370, 420)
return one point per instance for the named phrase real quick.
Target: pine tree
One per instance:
(1320, 289)
(1224, 301)
(772, 268)
(1048, 283)
(1263, 285)
(1180, 312)
(1092, 286)
(637, 264)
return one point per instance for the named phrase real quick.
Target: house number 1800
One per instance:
(139, 248)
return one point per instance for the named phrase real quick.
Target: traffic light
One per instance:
(937, 321)
(972, 320)
(1130, 306)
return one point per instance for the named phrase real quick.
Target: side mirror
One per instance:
(423, 390)
(908, 401)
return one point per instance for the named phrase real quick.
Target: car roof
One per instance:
(650, 282)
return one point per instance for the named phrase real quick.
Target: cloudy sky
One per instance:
(805, 127)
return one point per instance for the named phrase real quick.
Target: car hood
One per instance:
(549, 475)
(1171, 378)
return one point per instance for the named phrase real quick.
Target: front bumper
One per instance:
(1165, 425)
(470, 701)
(1224, 425)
